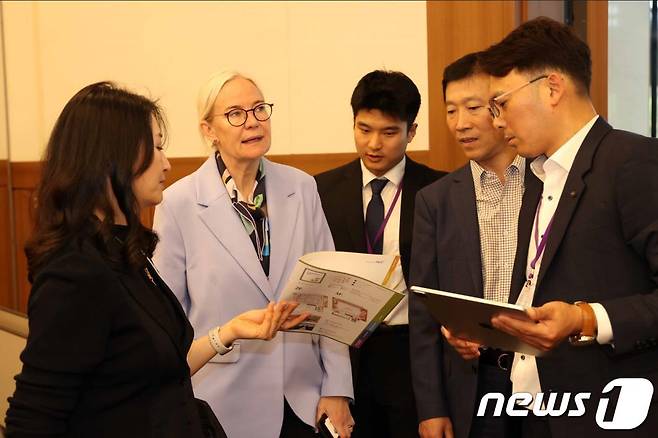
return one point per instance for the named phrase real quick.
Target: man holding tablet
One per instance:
(465, 232)
(588, 243)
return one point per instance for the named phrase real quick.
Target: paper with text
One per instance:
(344, 292)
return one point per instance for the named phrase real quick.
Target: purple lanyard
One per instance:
(380, 231)
(539, 244)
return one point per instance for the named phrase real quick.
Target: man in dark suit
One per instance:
(588, 244)
(369, 205)
(465, 236)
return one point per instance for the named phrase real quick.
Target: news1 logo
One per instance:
(630, 410)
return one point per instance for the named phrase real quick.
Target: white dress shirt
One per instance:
(391, 243)
(553, 172)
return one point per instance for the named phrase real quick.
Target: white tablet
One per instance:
(470, 317)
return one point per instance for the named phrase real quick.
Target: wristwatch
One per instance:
(216, 342)
(587, 335)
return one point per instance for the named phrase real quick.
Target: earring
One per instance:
(215, 142)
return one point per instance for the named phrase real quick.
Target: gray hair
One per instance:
(208, 94)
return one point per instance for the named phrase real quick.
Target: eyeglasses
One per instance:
(238, 116)
(494, 102)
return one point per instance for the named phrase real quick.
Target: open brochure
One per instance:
(347, 294)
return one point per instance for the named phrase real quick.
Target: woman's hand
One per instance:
(261, 323)
(338, 411)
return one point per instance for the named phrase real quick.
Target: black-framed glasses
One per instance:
(238, 116)
(494, 102)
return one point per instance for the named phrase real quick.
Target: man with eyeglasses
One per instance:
(369, 206)
(587, 257)
(465, 234)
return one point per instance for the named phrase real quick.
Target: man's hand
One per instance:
(338, 411)
(547, 326)
(439, 427)
(467, 350)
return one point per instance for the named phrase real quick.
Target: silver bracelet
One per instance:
(216, 343)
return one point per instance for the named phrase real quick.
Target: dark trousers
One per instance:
(384, 403)
(493, 379)
(533, 427)
(293, 426)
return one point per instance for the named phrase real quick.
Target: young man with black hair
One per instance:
(465, 235)
(588, 243)
(356, 199)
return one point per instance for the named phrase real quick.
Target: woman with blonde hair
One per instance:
(230, 234)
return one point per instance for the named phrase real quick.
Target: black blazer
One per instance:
(446, 256)
(603, 248)
(341, 193)
(105, 355)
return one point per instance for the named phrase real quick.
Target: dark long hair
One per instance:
(101, 141)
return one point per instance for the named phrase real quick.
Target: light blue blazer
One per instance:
(209, 262)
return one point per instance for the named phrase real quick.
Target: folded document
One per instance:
(346, 294)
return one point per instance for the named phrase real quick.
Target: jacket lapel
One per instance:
(351, 190)
(531, 194)
(225, 224)
(409, 189)
(150, 306)
(283, 204)
(176, 305)
(572, 193)
(463, 200)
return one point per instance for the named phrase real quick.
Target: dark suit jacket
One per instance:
(342, 200)
(341, 193)
(603, 247)
(446, 256)
(105, 355)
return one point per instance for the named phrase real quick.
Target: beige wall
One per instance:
(307, 57)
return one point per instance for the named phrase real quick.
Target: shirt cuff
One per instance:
(604, 327)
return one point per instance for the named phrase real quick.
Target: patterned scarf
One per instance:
(252, 212)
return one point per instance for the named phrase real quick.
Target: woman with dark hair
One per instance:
(110, 351)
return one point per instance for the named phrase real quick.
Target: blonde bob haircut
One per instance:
(208, 94)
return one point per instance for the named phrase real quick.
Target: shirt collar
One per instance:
(565, 155)
(394, 174)
(229, 182)
(478, 171)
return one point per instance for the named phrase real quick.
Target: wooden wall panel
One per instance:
(6, 286)
(3, 173)
(23, 220)
(455, 28)
(597, 39)
(309, 163)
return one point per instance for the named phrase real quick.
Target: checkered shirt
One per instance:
(498, 206)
